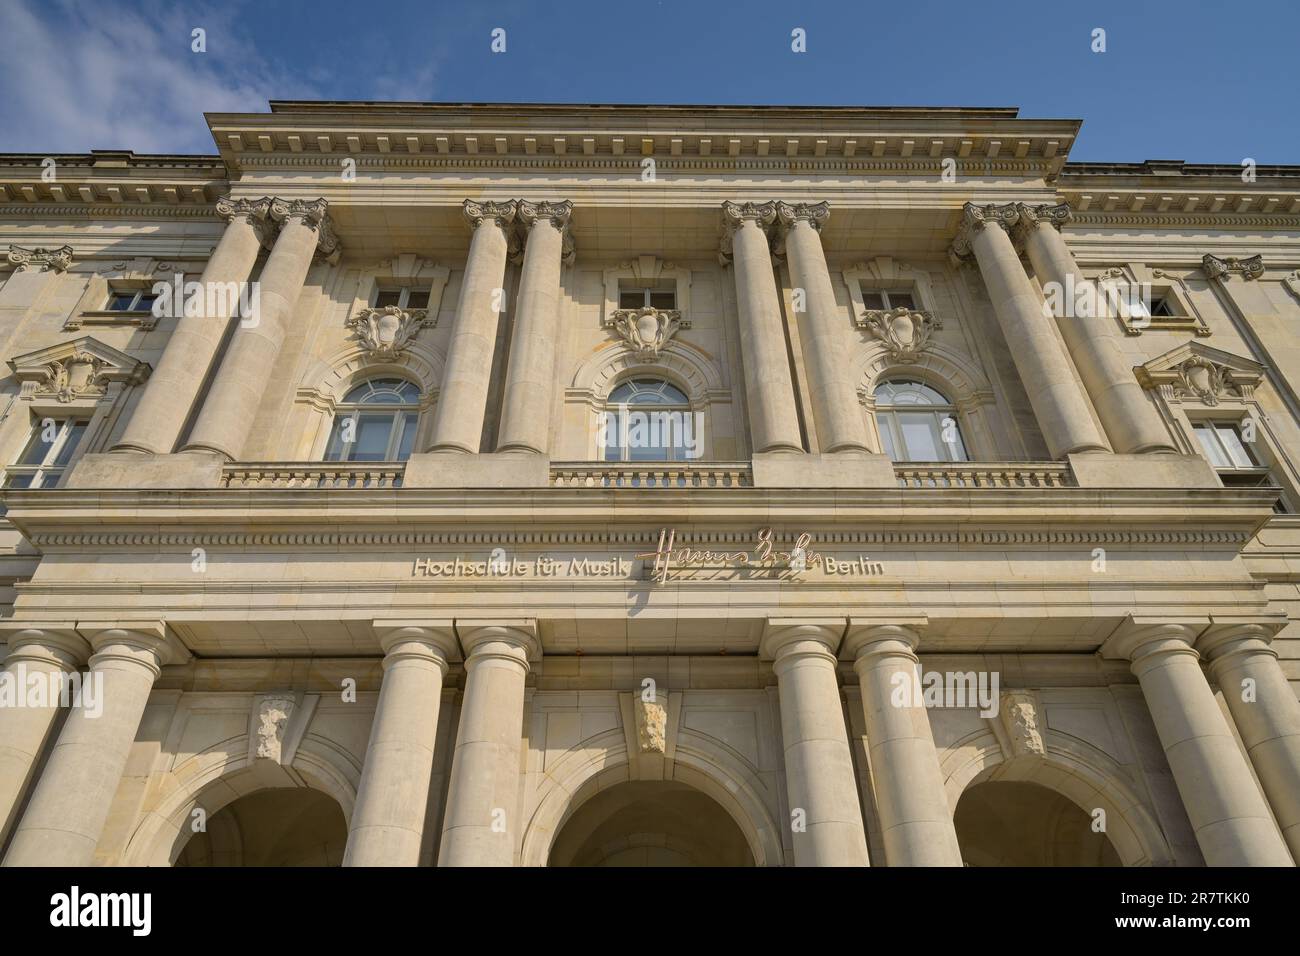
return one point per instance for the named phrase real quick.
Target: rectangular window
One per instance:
(403, 297)
(130, 300)
(1233, 458)
(887, 299)
(48, 453)
(661, 295)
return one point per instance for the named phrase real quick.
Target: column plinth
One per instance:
(769, 389)
(1227, 812)
(1094, 343)
(1266, 712)
(480, 827)
(1045, 370)
(526, 414)
(70, 805)
(915, 819)
(820, 782)
(236, 394)
(822, 331)
(155, 425)
(463, 395)
(387, 825)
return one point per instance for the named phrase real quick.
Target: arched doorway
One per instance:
(650, 823)
(1014, 823)
(279, 827)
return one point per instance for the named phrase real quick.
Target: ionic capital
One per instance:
(501, 214)
(814, 213)
(735, 215)
(975, 217)
(1031, 216)
(40, 259)
(558, 214)
(254, 212)
(1221, 267)
(314, 214)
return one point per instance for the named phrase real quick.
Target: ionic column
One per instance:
(526, 415)
(915, 819)
(462, 397)
(232, 402)
(44, 655)
(66, 815)
(822, 331)
(387, 825)
(1226, 810)
(1058, 402)
(1267, 715)
(768, 387)
(1126, 414)
(155, 425)
(820, 781)
(481, 822)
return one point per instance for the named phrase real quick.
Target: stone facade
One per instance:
(499, 628)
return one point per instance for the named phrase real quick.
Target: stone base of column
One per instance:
(1106, 470)
(453, 469)
(130, 469)
(843, 470)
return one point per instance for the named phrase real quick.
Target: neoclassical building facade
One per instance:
(580, 485)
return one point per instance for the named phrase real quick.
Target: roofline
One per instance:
(277, 106)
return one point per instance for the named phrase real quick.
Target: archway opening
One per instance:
(1013, 823)
(650, 823)
(281, 827)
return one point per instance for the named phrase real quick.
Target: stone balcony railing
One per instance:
(339, 474)
(984, 474)
(672, 474)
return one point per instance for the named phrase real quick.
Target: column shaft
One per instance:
(530, 377)
(387, 825)
(769, 391)
(155, 425)
(480, 825)
(36, 655)
(915, 819)
(821, 786)
(822, 332)
(1227, 812)
(1267, 715)
(75, 792)
(1058, 402)
(463, 394)
(236, 394)
(1126, 413)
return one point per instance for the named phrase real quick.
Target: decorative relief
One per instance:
(255, 212)
(1019, 713)
(273, 713)
(651, 725)
(904, 332)
(974, 217)
(385, 333)
(736, 214)
(313, 213)
(1055, 215)
(40, 259)
(502, 213)
(647, 331)
(1216, 267)
(815, 214)
(1201, 373)
(558, 214)
(74, 371)
(1202, 379)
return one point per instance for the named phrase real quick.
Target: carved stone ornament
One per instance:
(386, 332)
(255, 212)
(736, 214)
(1019, 713)
(904, 332)
(313, 213)
(273, 713)
(558, 214)
(1200, 378)
(77, 376)
(502, 213)
(1054, 215)
(646, 331)
(975, 216)
(651, 725)
(1216, 267)
(40, 259)
(76, 370)
(814, 213)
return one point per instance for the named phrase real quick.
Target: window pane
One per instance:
(1237, 451)
(612, 422)
(387, 297)
(631, 298)
(920, 436)
(408, 436)
(901, 300)
(663, 300)
(70, 442)
(1162, 307)
(418, 299)
(1210, 445)
(956, 447)
(334, 450)
(873, 300)
(887, 435)
(18, 481)
(37, 447)
(120, 301)
(145, 303)
(372, 437)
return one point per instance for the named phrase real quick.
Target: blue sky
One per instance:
(1191, 80)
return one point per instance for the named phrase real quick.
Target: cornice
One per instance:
(55, 210)
(1159, 220)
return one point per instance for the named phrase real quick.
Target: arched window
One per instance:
(648, 419)
(917, 423)
(375, 422)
